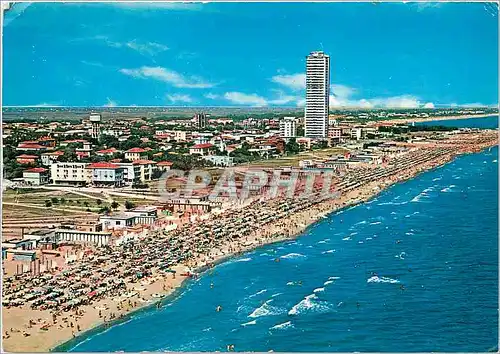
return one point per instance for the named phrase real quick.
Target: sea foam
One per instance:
(376, 279)
(283, 325)
(307, 304)
(293, 256)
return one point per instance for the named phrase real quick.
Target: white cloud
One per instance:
(150, 48)
(301, 102)
(110, 103)
(429, 105)
(342, 90)
(169, 76)
(283, 99)
(240, 98)
(404, 101)
(211, 96)
(294, 81)
(176, 98)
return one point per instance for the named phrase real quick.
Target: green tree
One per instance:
(115, 205)
(54, 200)
(98, 202)
(129, 205)
(292, 147)
(48, 203)
(104, 210)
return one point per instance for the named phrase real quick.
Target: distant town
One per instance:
(87, 234)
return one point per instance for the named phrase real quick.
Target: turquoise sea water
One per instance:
(490, 122)
(414, 269)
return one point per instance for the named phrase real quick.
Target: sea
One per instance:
(490, 122)
(415, 269)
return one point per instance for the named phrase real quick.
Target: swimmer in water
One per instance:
(211, 285)
(219, 308)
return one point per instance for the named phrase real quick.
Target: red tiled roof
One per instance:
(57, 153)
(115, 160)
(136, 150)
(202, 146)
(104, 165)
(165, 163)
(27, 157)
(31, 146)
(36, 170)
(81, 153)
(143, 162)
(29, 142)
(107, 151)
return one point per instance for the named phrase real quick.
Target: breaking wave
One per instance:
(265, 310)
(283, 325)
(249, 323)
(376, 279)
(293, 256)
(308, 304)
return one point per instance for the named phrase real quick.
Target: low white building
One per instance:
(117, 221)
(72, 173)
(144, 169)
(69, 235)
(201, 149)
(106, 174)
(223, 161)
(36, 176)
(135, 154)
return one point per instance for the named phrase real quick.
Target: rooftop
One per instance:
(202, 146)
(136, 150)
(36, 170)
(103, 165)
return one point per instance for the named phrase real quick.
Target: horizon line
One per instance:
(252, 107)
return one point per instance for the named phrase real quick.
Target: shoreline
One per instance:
(65, 345)
(285, 228)
(432, 119)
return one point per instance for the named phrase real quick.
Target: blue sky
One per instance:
(229, 54)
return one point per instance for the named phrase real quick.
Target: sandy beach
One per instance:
(20, 321)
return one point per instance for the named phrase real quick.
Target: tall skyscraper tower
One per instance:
(317, 95)
(200, 120)
(95, 119)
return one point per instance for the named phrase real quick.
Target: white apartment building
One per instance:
(356, 133)
(180, 135)
(317, 95)
(106, 174)
(134, 154)
(144, 170)
(288, 127)
(74, 173)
